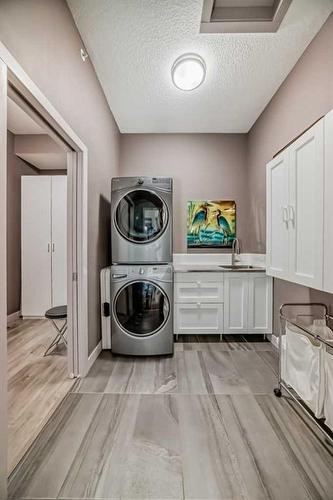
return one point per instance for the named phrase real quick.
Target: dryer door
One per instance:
(141, 308)
(141, 216)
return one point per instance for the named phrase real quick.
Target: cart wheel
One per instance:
(277, 392)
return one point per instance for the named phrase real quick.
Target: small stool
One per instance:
(54, 314)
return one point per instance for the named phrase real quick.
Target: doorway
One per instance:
(38, 377)
(17, 86)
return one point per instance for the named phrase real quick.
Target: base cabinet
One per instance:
(247, 303)
(217, 303)
(199, 318)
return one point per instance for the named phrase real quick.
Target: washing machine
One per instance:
(141, 309)
(141, 220)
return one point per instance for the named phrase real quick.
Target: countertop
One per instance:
(182, 268)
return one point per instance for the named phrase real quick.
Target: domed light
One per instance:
(188, 72)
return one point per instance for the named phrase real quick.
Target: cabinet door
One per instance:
(59, 240)
(198, 318)
(328, 204)
(236, 303)
(36, 245)
(306, 208)
(198, 291)
(260, 303)
(277, 237)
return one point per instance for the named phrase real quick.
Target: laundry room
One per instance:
(166, 292)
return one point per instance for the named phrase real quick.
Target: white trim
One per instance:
(13, 317)
(11, 72)
(3, 282)
(94, 355)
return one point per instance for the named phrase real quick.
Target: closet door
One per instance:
(59, 240)
(277, 234)
(36, 245)
(306, 205)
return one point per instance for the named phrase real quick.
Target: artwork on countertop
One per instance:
(211, 224)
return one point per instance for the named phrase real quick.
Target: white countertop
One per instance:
(211, 262)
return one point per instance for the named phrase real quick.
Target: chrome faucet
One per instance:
(235, 251)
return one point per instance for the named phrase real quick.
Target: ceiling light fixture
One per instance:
(188, 71)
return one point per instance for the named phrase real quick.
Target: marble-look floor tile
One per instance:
(190, 375)
(221, 373)
(259, 377)
(44, 468)
(261, 460)
(175, 446)
(303, 442)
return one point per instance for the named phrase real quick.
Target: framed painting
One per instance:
(211, 224)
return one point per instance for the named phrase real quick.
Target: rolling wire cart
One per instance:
(285, 322)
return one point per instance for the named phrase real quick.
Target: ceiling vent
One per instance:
(243, 16)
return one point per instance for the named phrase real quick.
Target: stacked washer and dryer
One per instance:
(141, 275)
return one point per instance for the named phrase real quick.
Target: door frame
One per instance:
(12, 76)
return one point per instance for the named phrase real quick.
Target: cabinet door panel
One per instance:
(236, 303)
(277, 236)
(328, 204)
(59, 240)
(260, 304)
(196, 291)
(199, 318)
(36, 245)
(306, 208)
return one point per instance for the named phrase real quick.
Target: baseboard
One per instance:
(275, 340)
(13, 317)
(94, 355)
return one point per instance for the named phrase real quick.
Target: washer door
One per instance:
(141, 216)
(141, 308)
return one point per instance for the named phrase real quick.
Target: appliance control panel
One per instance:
(119, 272)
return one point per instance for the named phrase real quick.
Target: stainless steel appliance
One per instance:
(141, 309)
(141, 220)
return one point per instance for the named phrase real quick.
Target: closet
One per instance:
(299, 209)
(43, 243)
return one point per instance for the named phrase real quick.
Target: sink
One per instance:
(237, 267)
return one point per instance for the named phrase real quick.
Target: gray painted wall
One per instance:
(15, 169)
(43, 38)
(203, 166)
(305, 96)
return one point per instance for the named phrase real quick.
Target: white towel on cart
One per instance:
(328, 404)
(304, 367)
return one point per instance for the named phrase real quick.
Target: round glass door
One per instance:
(141, 308)
(141, 216)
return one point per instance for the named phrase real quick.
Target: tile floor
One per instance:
(200, 425)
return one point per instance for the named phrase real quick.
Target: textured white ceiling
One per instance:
(133, 44)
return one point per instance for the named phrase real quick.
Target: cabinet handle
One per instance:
(291, 214)
(198, 283)
(53, 247)
(285, 215)
(48, 248)
(199, 304)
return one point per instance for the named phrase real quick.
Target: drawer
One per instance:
(206, 277)
(199, 318)
(199, 291)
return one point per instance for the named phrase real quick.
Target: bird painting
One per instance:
(211, 223)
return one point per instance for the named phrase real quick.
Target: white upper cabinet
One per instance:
(295, 210)
(277, 216)
(306, 207)
(328, 204)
